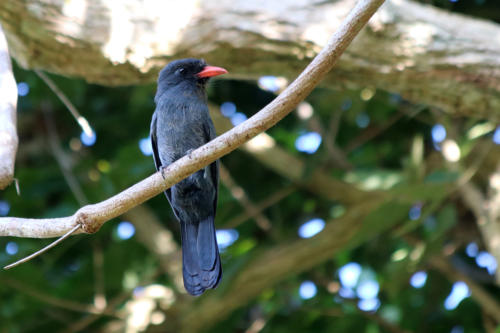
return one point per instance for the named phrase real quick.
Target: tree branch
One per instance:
(425, 54)
(264, 149)
(91, 217)
(240, 195)
(487, 302)
(8, 103)
(55, 301)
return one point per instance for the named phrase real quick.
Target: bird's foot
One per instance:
(162, 170)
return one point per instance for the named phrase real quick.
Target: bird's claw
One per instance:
(162, 170)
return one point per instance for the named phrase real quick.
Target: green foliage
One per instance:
(375, 135)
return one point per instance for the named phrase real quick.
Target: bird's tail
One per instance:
(201, 265)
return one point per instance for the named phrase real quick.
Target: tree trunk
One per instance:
(427, 55)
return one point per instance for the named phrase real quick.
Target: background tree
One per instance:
(393, 160)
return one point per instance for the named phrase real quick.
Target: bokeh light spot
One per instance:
(88, 140)
(418, 279)
(307, 290)
(4, 208)
(363, 120)
(308, 142)
(438, 133)
(459, 291)
(496, 136)
(311, 228)
(472, 250)
(369, 305)
(23, 89)
(238, 118)
(125, 230)
(226, 237)
(488, 261)
(349, 274)
(367, 289)
(228, 109)
(11, 248)
(145, 146)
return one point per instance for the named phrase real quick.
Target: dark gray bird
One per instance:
(181, 123)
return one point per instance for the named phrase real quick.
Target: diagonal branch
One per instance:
(240, 195)
(91, 217)
(55, 301)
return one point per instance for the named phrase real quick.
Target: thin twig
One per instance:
(485, 300)
(335, 154)
(68, 176)
(372, 132)
(84, 124)
(98, 266)
(48, 247)
(240, 195)
(264, 204)
(51, 300)
(63, 160)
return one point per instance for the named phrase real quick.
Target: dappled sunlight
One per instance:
(11, 248)
(273, 84)
(308, 142)
(171, 18)
(23, 89)
(418, 279)
(311, 228)
(459, 292)
(4, 208)
(226, 237)
(399, 254)
(88, 140)
(374, 180)
(147, 305)
(451, 151)
(305, 110)
(416, 38)
(261, 142)
(164, 243)
(125, 230)
(145, 146)
(75, 12)
(349, 274)
(307, 290)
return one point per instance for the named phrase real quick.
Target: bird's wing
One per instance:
(154, 144)
(156, 154)
(209, 131)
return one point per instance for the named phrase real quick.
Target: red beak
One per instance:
(210, 71)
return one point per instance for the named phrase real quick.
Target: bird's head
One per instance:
(194, 72)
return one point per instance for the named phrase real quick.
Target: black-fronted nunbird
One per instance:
(181, 123)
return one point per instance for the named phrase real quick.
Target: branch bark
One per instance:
(264, 148)
(423, 53)
(8, 104)
(91, 217)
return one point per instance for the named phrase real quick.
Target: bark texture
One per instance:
(425, 54)
(8, 103)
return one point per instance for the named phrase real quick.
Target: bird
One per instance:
(180, 124)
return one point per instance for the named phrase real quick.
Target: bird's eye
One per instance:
(181, 71)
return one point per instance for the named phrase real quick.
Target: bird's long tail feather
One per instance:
(200, 256)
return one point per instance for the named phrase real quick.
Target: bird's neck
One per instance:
(181, 93)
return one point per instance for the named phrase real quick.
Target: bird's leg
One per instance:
(206, 170)
(162, 169)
